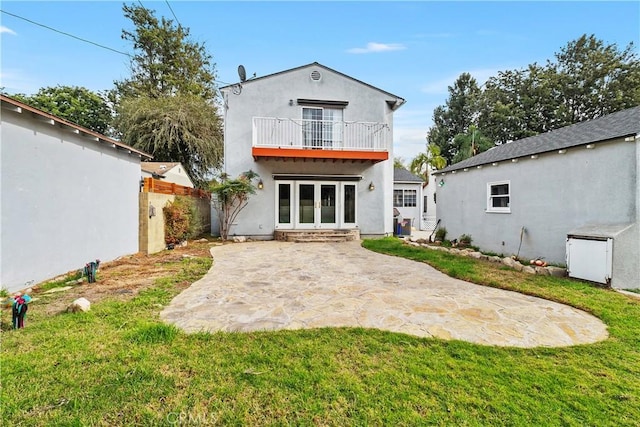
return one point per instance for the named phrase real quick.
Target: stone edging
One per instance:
(509, 262)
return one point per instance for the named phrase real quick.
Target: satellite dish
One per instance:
(242, 73)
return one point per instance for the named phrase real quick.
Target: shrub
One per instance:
(441, 234)
(465, 239)
(180, 220)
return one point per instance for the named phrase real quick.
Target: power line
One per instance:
(64, 33)
(172, 12)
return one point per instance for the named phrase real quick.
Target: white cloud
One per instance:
(377, 47)
(7, 30)
(441, 86)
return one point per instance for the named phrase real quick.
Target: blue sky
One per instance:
(411, 49)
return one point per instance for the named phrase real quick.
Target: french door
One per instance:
(316, 207)
(315, 204)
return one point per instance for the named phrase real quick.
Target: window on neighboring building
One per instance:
(397, 198)
(410, 197)
(405, 198)
(498, 196)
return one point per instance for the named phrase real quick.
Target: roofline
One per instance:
(325, 67)
(453, 167)
(61, 121)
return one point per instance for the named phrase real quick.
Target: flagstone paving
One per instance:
(277, 285)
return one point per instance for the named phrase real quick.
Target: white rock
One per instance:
(239, 239)
(81, 304)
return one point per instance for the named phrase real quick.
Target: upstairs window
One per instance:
(499, 197)
(322, 127)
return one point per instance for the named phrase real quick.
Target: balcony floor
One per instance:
(318, 155)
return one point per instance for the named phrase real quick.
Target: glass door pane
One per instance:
(306, 204)
(328, 203)
(349, 204)
(284, 203)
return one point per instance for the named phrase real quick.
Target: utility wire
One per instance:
(66, 34)
(172, 12)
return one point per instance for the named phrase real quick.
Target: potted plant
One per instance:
(441, 234)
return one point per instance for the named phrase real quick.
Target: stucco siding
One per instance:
(550, 196)
(66, 200)
(276, 96)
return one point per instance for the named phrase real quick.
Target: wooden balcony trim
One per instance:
(296, 153)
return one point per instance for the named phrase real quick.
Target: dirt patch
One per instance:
(124, 278)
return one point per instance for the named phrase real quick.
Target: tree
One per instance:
(594, 79)
(471, 143)
(424, 162)
(455, 117)
(167, 106)
(398, 162)
(588, 79)
(178, 128)
(229, 197)
(76, 104)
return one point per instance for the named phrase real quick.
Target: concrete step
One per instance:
(317, 235)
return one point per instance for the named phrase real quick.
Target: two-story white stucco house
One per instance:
(570, 196)
(69, 196)
(321, 142)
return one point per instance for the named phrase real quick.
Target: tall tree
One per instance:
(587, 79)
(459, 112)
(470, 143)
(423, 163)
(76, 104)
(595, 79)
(167, 106)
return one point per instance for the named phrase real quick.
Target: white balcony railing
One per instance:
(275, 132)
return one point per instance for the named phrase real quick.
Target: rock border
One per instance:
(508, 261)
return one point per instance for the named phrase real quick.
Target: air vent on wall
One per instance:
(316, 76)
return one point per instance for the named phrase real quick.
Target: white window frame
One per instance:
(490, 207)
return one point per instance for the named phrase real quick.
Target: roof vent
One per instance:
(316, 76)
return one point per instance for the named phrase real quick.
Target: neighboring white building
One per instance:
(321, 142)
(166, 171)
(407, 197)
(570, 196)
(69, 196)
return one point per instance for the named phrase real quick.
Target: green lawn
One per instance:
(118, 365)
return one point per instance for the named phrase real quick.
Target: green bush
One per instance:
(465, 239)
(441, 234)
(181, 220)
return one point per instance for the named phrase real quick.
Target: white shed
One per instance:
(69, 196)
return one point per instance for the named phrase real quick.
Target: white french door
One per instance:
(315, 204)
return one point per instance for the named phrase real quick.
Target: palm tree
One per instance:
(423, 162)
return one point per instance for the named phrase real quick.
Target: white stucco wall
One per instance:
(270, 97)
(66, 200)
(550, 196)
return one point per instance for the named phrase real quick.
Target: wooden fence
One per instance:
(151, 185)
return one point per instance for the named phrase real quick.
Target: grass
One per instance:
(119, 365)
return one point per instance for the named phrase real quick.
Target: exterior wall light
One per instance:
(260, 185)
(534, 156)
(494, 164)
(441, 183)
(562, 151)
(371, 186)
(590, 146)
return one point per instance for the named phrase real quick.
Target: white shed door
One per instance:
(590, 259)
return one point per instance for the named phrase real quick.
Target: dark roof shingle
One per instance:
(616, 125)
(403, 175)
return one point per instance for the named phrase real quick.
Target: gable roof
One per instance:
(317, 64)
(20, 107)
(158, 168)
(403, 175)
(616, 125)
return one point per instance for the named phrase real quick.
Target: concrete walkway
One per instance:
(277, 285)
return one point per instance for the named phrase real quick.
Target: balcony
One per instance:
(298, 139)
